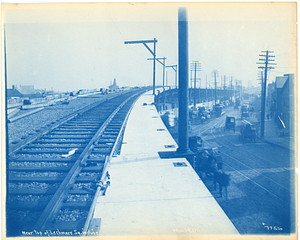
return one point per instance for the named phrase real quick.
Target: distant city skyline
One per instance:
(81, 46)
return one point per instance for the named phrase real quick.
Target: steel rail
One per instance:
(249, 158)
(246, 177)
(53, 125)
(87, 227)
(56, 202)
(29, 182)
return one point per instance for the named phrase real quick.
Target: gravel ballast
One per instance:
(30, 124)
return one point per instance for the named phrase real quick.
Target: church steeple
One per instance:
(115, 83)
(114, 86)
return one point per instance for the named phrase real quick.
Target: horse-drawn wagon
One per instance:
(229, 123)
(247, 131)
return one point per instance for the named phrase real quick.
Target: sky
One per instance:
(69, 47)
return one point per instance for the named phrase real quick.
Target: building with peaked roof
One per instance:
(280, 81)
(13, 93)
(26, 89)
(283, 100)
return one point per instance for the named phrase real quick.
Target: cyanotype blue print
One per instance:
(149, 119)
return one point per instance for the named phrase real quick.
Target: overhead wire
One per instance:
(132, 48)
(114, 23)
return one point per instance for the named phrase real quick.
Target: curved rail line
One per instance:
(224, 137)
(250, 159)
(218, 126)
(56, 176)
(238, 149)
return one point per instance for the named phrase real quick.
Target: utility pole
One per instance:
(231, 87)
(164, 67)
(266, 59)
(224, 87)
(261, 96)
(235, 89)
(215, 73)
(206, 87)
(166, 79)
(174, 67)
(150, 50)
(195, 66)
(260, 76)
(222, 82)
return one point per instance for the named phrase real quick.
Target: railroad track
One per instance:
(55, 177)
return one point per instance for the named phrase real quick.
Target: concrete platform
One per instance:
(149, 195)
